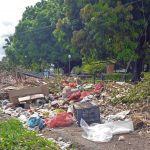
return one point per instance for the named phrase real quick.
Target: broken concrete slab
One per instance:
(15, 94)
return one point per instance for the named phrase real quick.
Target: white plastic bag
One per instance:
(96, 133)
(120, 127)
(104, 132)
(23, 118)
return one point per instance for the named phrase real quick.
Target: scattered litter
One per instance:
(55, 103)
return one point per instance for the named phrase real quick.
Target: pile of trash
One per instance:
(86, 104)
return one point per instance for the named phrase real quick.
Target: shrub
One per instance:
(92, 67)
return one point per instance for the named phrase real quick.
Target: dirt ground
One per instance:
(132, 141)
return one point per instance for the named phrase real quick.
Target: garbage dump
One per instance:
(56, 103)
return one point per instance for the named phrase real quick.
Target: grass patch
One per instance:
(14, 137)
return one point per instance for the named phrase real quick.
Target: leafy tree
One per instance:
(33, 42)
(89, 30)
(111, 31)
(141, 14)
(65, 27)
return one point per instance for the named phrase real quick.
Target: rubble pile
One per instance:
(57, 108)
(7, 79)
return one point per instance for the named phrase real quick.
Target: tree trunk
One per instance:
(147, 68)
(138, 66)
(66, 69)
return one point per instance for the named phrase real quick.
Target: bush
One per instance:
(14, 137)
(92, 67)
(76, 70)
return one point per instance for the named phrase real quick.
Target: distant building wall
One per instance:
(110, 68)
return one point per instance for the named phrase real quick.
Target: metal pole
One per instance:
(69, 57)
(69, 66)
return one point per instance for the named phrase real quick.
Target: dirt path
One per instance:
(133, 141)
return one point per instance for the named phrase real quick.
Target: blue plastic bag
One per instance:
(34, 121)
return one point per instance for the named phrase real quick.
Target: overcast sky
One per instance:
(10, 13)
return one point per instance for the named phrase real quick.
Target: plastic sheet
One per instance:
(97, 132)
(105, 132)
(87, 86)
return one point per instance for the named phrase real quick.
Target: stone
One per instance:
(121, 138)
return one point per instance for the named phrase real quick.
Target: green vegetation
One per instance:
(89, 30)
(14, 137)
(90, 68)
(138, 93)
(118, 77)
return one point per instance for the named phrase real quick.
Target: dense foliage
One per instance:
(89, 30)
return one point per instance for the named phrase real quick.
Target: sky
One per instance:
(10, 14)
